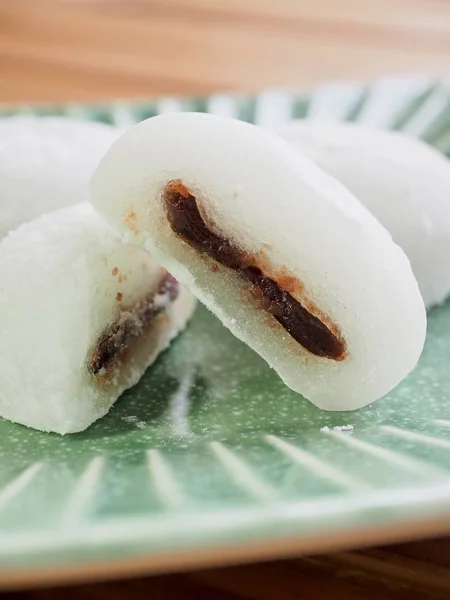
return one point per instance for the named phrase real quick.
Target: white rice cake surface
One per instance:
(81, 317)
(46, 164)
(291, 220)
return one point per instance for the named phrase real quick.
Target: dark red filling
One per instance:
(116, 338)
(306, 329)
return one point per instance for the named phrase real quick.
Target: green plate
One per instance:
(211, 459)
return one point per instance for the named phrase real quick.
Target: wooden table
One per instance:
(58, 50)
(403, 572)
(86, 49)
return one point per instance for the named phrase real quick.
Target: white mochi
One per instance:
(403, 181)
(301, 227)
(46, 164)
(65, 279)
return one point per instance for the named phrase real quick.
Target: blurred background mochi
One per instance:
(46, 164)
(403, 181)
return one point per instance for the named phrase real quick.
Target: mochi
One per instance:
(287, 258)
(82, 315)
(404, 183)
(46, 164)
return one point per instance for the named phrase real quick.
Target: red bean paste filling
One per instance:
(130, 324)
(306, 329)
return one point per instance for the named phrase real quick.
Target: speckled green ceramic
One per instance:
(211, 455)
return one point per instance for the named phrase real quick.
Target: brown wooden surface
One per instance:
(84, 49)
(402, 572)
(61, 50)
